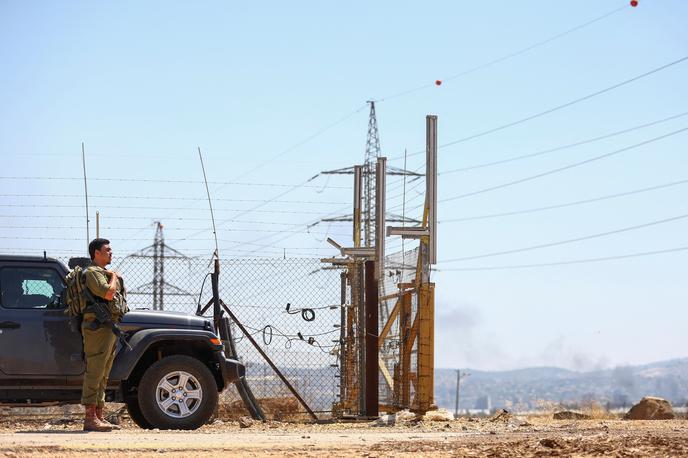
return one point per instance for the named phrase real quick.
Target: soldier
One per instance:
(99, 339)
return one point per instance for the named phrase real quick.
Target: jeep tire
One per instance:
(135, 413)
(177, 392)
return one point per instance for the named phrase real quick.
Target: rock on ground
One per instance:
(502, 415)
(245, 422)
(403, 416)
(438, 415)
(570, 415)
(651, 408)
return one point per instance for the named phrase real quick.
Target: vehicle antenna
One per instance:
(210, 204)
(83, 162)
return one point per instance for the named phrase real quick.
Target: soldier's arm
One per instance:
(99, 285)
(112, 287)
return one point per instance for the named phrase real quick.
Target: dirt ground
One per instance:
(509, 437)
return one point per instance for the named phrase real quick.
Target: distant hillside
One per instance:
(523, 389)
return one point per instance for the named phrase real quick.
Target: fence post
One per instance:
(371, 338)
(343, 372)
(360, 336)
(405, 349)
(426, 348)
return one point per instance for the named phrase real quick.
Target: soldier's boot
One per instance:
(91, 421)
(101, 416)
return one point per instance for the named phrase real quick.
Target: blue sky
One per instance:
(252, 83)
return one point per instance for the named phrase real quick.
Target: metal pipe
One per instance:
(380, 210)
(360, 337)
(343, 348)
(358, 184)
(215, 280)
(431, 183)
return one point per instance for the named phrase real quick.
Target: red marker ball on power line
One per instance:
(438, 82)
(634, 3)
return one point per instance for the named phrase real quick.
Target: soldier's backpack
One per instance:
(75, 298)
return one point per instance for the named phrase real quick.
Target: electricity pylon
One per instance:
(372, 153)
(158, 287)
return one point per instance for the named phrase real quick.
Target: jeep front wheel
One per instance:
(135, 413)
(177, 392)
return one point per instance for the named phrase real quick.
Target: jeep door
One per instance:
(35, 336)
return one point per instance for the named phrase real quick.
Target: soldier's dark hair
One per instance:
(96, 244)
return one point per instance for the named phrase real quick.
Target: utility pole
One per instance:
(458, 387)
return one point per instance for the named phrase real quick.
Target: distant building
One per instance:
(484, 403)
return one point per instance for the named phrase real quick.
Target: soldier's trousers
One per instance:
(99, 349)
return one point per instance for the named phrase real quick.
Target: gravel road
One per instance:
(464, 437)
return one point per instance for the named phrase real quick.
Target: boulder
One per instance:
(245, 422)
(438, 415)
(401, 417)
(405, 416)
(386, 420)
(570, 415)
(651, 408)
(550, 443)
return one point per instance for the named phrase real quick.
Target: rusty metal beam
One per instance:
(408, 336)
(371, 339)
(388, 325)
(426, 348)
(385, 373)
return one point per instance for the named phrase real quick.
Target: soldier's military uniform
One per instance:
(100, 343)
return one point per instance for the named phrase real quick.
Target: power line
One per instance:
(125, 207)
(307, 226)
(566, 167)
(508, 56)
(291, 148)
(150, 180)
(556, 108)
(255, 208)
(175, 198)
(65, 251)
(575, 261)
(559, 148)
(567, 204)
(278, 231)
(564, 242)
(150, 218)
(293, 187)
(306, 140)
(127, 239)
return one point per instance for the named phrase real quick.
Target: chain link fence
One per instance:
(400, 268)
(291, 307)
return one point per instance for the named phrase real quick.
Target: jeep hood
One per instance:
(146, 319)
